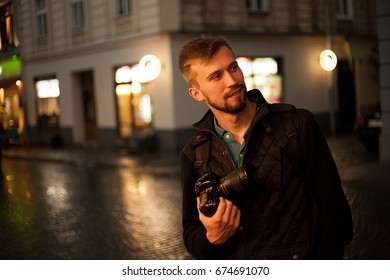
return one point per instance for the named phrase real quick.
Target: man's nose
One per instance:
(231, 79)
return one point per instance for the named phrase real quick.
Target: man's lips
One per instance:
(235, 93)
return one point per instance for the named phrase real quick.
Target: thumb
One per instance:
(197, 206)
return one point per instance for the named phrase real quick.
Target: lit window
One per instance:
(48, 92)
(124, 7)
(8, 38)
(134, 102)
(41, 18)
(257, 5)
(123, 74)
(145, 109)
(48, 88)
(263, 73)
(78, 13)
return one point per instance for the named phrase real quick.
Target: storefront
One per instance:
(134, 102)
(134, 96)
(12, 117)
(263, 73)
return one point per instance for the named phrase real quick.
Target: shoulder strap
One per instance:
(290, 132)
(202, 146)
(289, 139)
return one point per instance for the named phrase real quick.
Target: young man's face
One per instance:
(220, 83)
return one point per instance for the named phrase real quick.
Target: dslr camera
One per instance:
(210, 187)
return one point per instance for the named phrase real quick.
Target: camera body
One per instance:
(210, 187)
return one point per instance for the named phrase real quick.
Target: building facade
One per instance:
(384, 62)
(90, 74)
(11, 110)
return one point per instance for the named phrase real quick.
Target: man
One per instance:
(296, 209)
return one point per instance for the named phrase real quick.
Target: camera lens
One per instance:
(237, 181)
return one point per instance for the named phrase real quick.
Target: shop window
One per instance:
(48, 92)
(263, 73)
(11, 111)
(134, 103)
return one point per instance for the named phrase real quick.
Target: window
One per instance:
(263, 73)
(257, 5)
(124, 7)
(8, 38)
(134, 103)
(344, 9)
(78, 13)
(41, 18)
(48, 92)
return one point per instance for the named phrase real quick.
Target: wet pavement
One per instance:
(89, 204)
(98, 204)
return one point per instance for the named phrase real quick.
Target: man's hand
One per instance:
(223, 224)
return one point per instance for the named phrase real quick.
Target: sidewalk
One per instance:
(96, 157)
(351, 158)
(366, 184)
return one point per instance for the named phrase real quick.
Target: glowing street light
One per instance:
(328, 60)
(150, 67)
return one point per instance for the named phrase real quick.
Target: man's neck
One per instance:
(237, 124)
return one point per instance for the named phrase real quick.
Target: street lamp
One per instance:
(328, 62)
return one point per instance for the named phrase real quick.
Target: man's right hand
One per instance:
(223, 224)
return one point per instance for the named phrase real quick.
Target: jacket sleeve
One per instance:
(333, 229)
(194, 233)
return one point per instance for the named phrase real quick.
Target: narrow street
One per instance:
(65, 204)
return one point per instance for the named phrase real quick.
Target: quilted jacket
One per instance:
(297, 208)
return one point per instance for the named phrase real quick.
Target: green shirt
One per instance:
(235, 149)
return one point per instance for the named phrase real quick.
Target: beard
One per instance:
(231, 108)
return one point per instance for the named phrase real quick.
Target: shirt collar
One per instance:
(221, 132)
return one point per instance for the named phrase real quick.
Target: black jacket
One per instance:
(297, 210)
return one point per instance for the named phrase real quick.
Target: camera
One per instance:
(210, 187)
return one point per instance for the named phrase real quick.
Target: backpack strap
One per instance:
(285, 141)
(290, 132)
(289, 140)
(202, 146)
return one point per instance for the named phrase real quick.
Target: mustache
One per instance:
(233, 90)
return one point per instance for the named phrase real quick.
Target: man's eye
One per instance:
(216, 77)
(234, 68)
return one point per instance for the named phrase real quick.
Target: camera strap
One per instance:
(202, 152)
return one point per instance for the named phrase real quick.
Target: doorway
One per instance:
(88, 103)
(85, 127)
(89, 113)
(346, 96)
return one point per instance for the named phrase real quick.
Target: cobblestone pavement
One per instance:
(97, 236)
(367, 187)
(78, 205)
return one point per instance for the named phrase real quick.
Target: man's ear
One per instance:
(196, 94)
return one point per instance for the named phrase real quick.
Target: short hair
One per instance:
(201, 49)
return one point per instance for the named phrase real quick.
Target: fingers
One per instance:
(223, 224)
(226, 209)
(232, 215)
